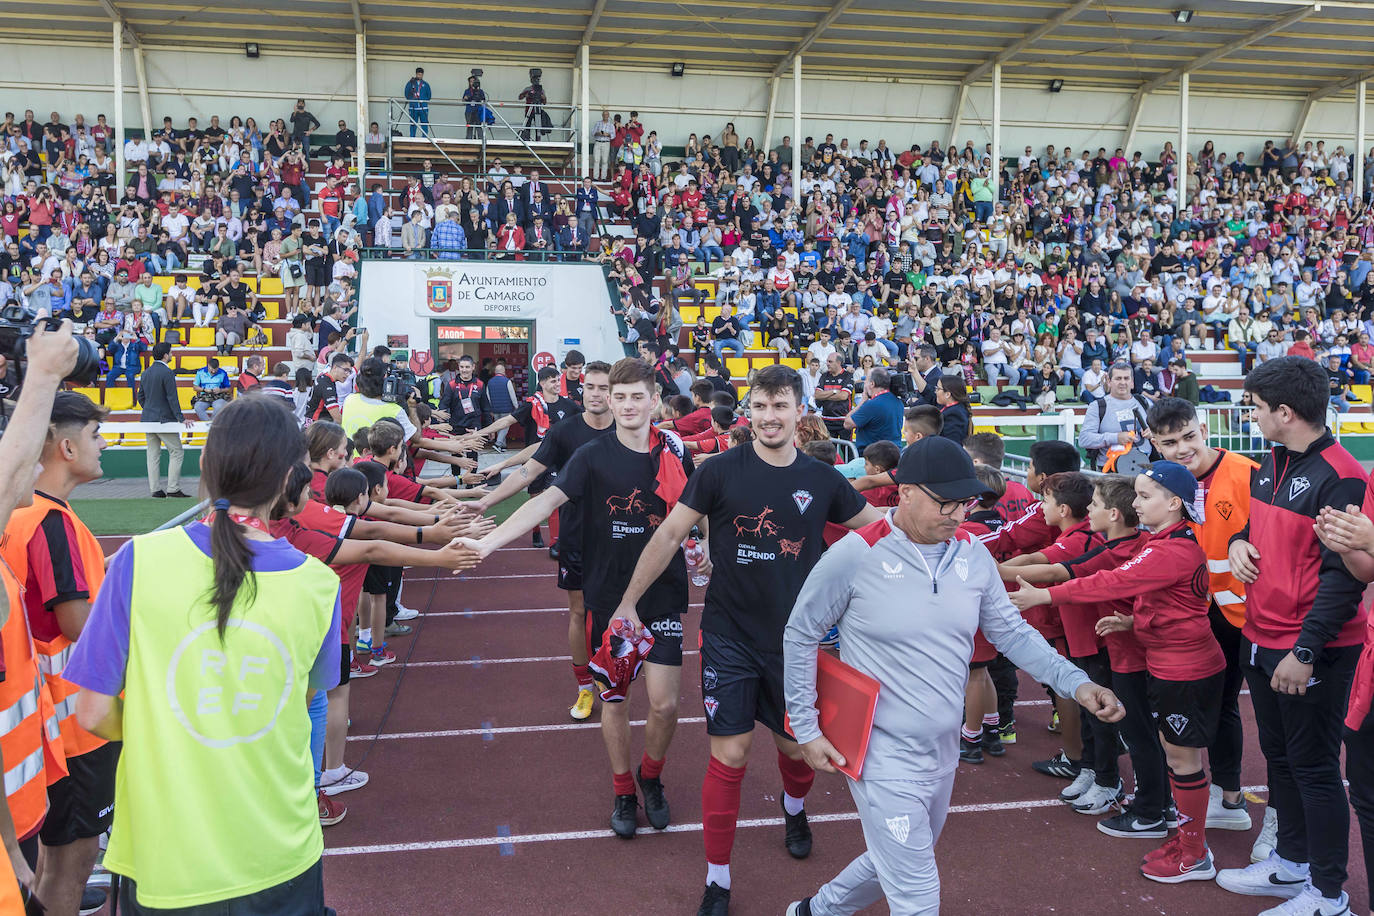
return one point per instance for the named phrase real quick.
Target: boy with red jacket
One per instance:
(1168, 580)
(1302, 635)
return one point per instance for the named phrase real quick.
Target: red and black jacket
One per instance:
(1304, 595)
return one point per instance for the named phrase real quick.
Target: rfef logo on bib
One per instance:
(231, 692)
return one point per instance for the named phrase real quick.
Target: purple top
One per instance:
(101, 654)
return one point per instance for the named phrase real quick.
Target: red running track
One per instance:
(485, 798)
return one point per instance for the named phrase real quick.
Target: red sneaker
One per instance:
(1167, 848)
(1178, 866)
(381, 655)
(359, 668)
(331, 810)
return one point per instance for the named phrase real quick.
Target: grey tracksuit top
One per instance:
(911, 628)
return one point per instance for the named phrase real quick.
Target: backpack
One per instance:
(1143, 456)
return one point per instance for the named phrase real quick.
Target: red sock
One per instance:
(553, 527)
(624, 783)
(583, 675)
(720, 810)
(649, 768)
(1191, 795)
(797, 777)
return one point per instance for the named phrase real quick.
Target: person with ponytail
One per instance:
(308, 527)
(200, 653)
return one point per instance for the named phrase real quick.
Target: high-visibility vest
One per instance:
(1225, 512)
(11, 903)
(358, 412)
(52, 655)
(30, 739)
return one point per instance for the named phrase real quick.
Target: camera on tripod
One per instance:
(476, 74)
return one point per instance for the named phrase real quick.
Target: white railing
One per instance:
(130, 435)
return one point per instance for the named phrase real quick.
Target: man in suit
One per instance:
(538, 206)
(528, 189)
(539, 237)
(572, 241)
(160, 405)
(509, 202)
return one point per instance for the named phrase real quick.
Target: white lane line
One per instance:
(471, 842)
(477, 612)
(555, 727)
(481, 662)
(458, 577)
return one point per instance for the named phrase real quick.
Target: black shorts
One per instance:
(667, 631)
(81, 806)
(740, 685)
(569, 570)
(1186, 712)
(317, 275)
(377, 580)
(345, 663)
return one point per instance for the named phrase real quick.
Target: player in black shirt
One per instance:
(767, 505)
(570, 382)
(835, 395)
(563, 439)
(628, 483)
(324, 396)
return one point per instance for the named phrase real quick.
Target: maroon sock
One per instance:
(584, 676)
(1191, 796)
(624, 783)
(797, 777)
(649, 768)
(720, 810)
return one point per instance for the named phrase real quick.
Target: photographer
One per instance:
(51, 356)
(475, 111)
(534, 98)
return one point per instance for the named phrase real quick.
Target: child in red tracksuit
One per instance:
(1065, 509)
(1168, 580)
(979, 734)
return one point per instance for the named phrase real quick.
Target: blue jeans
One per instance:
(130, 372)
(1246, 351)
(769, 301)
(729, 343)
(319, 706)
(165, 265)
(707, 252)
(982, 209)
(331, 225)
(889, 346)
(419, 118)
(1075, 374)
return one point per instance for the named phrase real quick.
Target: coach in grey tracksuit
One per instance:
(907, 594)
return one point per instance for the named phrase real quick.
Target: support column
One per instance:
(360, 102)
(118, 151)
(772, 107)
(1361, 88)
(996, 131)
(956, 117)
(796, 130)
(144, 109)
(585, 131)
(1181, 161)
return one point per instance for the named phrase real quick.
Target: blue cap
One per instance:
(1179, 481)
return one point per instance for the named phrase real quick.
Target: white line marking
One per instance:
(471, 842)
(479, 662)
(454, 577)
(476, 612)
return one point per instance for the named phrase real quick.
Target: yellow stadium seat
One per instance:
(763, 362)
(738, 366)
(92, 393)
(202, 337)
(228, 362)
(120, 397)
(184, 396)
(273, 310)
(191, 362)
(1363, 392)
(269, 286)
(742, 392)
(792, 362)
(689, 314)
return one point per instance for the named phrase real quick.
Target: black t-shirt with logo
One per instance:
(324, 397)
(766, 527)
(560, 409)
(617, 488)
(554, 452)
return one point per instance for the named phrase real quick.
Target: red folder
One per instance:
(845, 699)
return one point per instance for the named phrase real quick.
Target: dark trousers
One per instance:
(393, 592)
(1003, 674)
(1225, 753)
(1301, 740)
(1359, 769)
(1100, 739)
(303, 895)
(1142, 740)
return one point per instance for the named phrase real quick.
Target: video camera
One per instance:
(476, 74)
(398, 385)
(17, 326)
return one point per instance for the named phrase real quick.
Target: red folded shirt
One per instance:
(618, 659)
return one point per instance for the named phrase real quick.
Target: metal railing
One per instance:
(493, 120)
(535, 255)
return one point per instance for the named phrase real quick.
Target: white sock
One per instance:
(793, 806)
(334, 775)
(1294, 868)
(365, 635)
(718, 874)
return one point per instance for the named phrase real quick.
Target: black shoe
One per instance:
(970, 751)
(992, 742)
(715, 902)
(159, 494)
(177, 494)
(655, 804)
(1059, 766)
(800, 907)
(537, 540)
(797, 833)
(92, 900)
(623, 817)
(553, 551)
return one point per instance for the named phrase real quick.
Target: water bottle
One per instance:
(694, 555)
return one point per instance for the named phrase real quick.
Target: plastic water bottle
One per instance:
(694, 555)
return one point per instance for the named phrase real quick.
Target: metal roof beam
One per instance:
(1331, 89)
(826, 22)
(1025, 42)
(1216, 54)
(357, 16)
(116, 16)
(593, 21)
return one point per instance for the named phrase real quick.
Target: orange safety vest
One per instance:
(11, 902)
(30, 739)
(1226, 511)
(52, 655)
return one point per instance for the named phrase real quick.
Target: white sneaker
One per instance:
(353, 779)
(1080, 784)
(1220, 817)
(1310, 902)
(1098, 799)
(1268, 838)
(1270, 878)
(405, 613)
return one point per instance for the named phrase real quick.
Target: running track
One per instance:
(485, 798)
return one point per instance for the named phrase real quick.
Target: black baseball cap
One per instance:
(942, 467)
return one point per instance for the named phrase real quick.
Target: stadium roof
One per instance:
(1290, 47)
